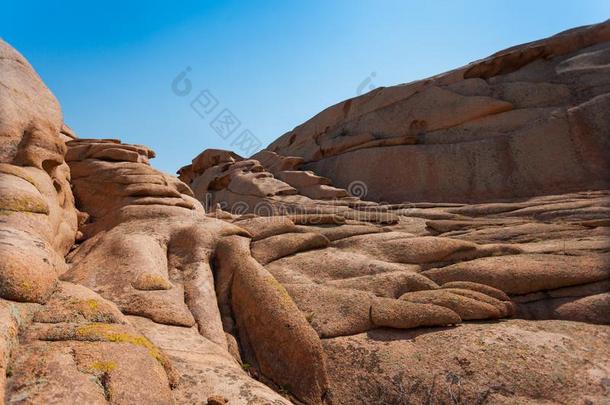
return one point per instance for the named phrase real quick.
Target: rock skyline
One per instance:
(468, 261)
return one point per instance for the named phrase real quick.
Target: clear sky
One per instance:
(272, 64)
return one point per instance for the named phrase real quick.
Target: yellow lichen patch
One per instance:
(284, 296)
(89, 309)
(151, 281)
(103, 366)
(84, 306)
(91, 304)
(109, 333)
(17, 172)
(26, 287)
(23, 204)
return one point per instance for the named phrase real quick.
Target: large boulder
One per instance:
(529, 120)
(512, 362)
(37, 214)
(30, 116)
(149, 247)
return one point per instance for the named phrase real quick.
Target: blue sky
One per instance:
(273, 64)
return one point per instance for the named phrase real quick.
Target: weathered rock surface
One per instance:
(440, 265)
(516, 361)
(260, 281)
(240, 186)
(529, 120)
(37, 215)
(143, 248)
(150, 250)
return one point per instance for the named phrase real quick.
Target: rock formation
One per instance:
(545, 258)
(468, 264)
(529, 120)
(130, 315)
